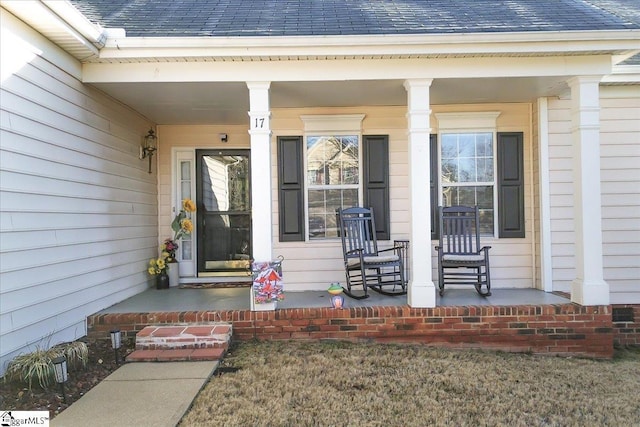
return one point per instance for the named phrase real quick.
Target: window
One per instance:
(467, 166)
(467, 173)
(333, 180)
(333, 167)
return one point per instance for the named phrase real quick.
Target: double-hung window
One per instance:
(467, 166)
(333, 180)
(330, 171)
(467, 173)
(473, 164)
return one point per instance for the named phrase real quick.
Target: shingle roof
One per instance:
(634, 60)
(218, 18)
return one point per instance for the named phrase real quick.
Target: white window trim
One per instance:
(330, 125)
(471, 122)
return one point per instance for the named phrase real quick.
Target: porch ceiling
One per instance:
(199, 103)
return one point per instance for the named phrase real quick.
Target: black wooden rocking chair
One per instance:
(365, 265)
(459, 248)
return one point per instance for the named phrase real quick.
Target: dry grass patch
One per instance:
(346, 384)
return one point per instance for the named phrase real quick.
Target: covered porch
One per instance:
(518, 320)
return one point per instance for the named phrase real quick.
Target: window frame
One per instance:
(308, 187)
(470, 123)
(330, 125)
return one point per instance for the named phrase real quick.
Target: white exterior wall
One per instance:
(78, 209)
(315, 264)
(620, 174)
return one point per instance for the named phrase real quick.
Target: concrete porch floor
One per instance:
(190, 299)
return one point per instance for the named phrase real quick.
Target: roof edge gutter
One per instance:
(77, 23)
(620, 42)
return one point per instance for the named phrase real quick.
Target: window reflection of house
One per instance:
(333, 170)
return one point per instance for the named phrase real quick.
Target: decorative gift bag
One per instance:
(267, 288)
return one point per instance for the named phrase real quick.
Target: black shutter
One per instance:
(510, 184)
(435, 173)
(291, 189)
(375, 154)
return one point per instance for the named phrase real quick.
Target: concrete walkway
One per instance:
(140, 394)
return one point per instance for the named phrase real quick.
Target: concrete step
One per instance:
(188, 342)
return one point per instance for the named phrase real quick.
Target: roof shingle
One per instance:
(224, 18)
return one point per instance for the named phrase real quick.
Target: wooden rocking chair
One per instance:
(459, 248)
(365, 265)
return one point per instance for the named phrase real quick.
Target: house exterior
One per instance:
(271, 115)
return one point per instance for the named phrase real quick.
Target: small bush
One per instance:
(38, 364)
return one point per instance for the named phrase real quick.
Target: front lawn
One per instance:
(346, 384)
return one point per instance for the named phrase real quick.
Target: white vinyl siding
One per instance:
(78, 210)
(619, 159)
(314, 265)
(620, 173)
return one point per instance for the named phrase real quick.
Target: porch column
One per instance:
(260, 131)
(422, 291)
(589, 287)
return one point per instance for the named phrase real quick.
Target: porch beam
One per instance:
(260, 132)
(346, 69)
(589, 287)
(422, 291)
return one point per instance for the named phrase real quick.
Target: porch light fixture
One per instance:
(116, 342)
(60, 371)
(149, 146)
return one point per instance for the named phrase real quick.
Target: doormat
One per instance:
(216, 285)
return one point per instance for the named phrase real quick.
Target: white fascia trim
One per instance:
(558, 42)
(42, 15)
(72, 16)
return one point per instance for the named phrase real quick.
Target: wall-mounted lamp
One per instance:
(224, 137)
(60, 372)
(148, 147)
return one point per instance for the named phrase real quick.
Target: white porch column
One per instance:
(260, 131)
(589, 287)
(422, 292)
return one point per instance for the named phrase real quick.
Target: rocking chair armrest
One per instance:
(355, 251)
(395, 248)
(484, 248)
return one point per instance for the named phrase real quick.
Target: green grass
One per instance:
(346, 384)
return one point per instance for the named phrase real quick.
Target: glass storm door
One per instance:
(224, 212)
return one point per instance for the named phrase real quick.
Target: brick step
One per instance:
(181, 343)
(176, 355)
(174, 337)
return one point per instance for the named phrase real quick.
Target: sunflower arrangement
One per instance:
(158, 265)
(182, 224)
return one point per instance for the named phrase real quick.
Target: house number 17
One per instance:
(258, 123)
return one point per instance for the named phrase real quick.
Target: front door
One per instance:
(223, 195)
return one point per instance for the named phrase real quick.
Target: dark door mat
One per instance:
(219, 285)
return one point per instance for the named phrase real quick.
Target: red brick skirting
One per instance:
(568, 329)
(627, 332)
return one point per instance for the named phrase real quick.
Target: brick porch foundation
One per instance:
(567, 329)
(626, 324)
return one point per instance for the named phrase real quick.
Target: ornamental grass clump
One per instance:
(38, 365)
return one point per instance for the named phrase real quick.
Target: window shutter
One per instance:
(375, 152)
(510, 184)
(291, 189)
(435, 173)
